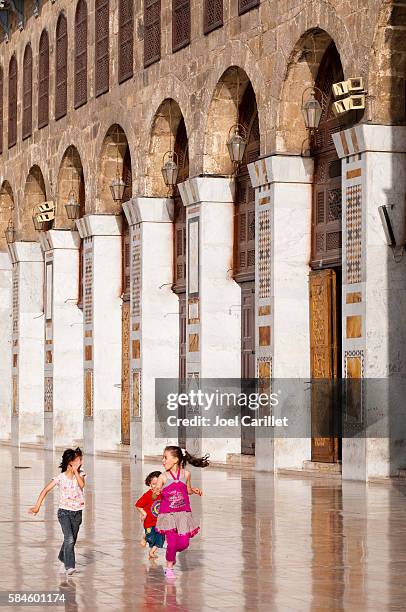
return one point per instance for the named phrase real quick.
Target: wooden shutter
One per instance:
(213, 15)
(246, 5)
(43, 80)
(326, 216)
(180, 24)
(125, 39)
(102, 57)
(27, 92)
(12, 102)
(1, 110)
(80, 94)
(323, 363)
(152, 31)
(61, 68)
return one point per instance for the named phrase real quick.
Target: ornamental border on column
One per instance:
(263, 262)
(353, 183)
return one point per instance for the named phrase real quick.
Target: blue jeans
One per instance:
(70, 521)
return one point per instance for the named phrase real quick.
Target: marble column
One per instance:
(283, 198)
(5, 346)
(213, 297)
(374, 297)
(63, 331)
(101, 331)
(27, 421)
(154, 316)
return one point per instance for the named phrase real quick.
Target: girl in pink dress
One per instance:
(175, 518)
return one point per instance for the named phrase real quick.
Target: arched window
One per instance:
(12, 102)
(61, 67)
(43, 80)
(101, 36)
(246, 5)
(152, 31)
(125, 39)
(80, 95)
(213, 15)
(1, 110)
(27, 92)
(180, 24)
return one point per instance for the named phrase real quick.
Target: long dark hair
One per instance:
(185, 457)
(69, 455)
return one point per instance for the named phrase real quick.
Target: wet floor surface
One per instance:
(282, 544)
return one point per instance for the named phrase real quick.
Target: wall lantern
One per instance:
(43, 216)
(117, 187)
(72, 207)
(170, 168)
(236, 143)
(36, 222)
(9, 232)
(312, 109)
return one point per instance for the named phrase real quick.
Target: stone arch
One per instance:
(114, 153)
(70, 179)
(224, 111)
(301, 72)
(387, 66)
(7, 211)
(34, 194)
(165, 124)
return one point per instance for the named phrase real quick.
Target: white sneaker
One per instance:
(71, 571)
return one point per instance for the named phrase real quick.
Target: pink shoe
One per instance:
(169, 573)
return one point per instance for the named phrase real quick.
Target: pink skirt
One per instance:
(180, 522)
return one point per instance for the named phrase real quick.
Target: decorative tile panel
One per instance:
(353, 234)
(264, 254)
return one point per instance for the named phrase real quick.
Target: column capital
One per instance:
(366, 137)
(216, 189)
(25, 251)
(152, 210)
(59, 239)
(281, 169)
(99, 225)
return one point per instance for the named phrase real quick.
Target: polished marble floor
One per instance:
(283, 544)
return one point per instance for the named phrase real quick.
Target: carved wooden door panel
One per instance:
(125, 373)
(248, 359)
(323, 356)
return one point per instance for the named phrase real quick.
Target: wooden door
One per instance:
(248, 359)
(323, 356)
(125, 373)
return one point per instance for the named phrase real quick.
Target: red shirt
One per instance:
(150, 506)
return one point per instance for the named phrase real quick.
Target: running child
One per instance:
(149, 510)
(71, 482)
(175, 518)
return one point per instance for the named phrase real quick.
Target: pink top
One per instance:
(175, 497)
(70, 494)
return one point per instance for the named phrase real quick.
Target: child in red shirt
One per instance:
(149, 510)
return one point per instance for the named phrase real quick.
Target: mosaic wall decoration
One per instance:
(48, 289)
(354, 390)
(15, 299)
(88, 393)
(136, 393)
(354, 364)
(193, 257)
(15, 396)
(88, 281)
(136, 279)
(48, 393)
(264, 254)
(354, 230)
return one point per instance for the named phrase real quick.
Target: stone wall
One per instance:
(277, 45)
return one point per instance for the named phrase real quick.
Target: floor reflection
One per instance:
(283, 544)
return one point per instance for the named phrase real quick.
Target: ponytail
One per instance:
(184, 457)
